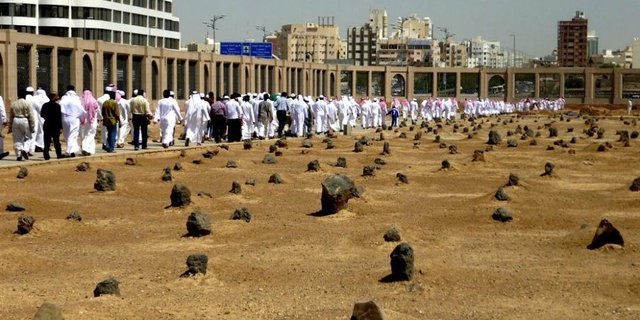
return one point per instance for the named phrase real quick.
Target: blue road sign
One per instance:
(254, 49)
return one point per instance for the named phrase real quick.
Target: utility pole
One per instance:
(212, 24)
(264, 32)
(514, 49)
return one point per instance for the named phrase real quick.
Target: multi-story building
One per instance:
(362, 45)
(483, 53)
(453, 54)
(379, 22)
(635, 59)
(592, 44)
(414, 52)
(412, 28)
(572, 41)
(135, 22)
(309, 42)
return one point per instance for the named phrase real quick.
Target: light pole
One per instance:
(402, 20)
(514, 49)
(212, 24)
(264, 32)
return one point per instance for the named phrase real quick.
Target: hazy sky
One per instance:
(534, 22)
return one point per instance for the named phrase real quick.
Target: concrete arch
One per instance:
(155, 80)
(497, 86)
(398, 86)
(332, 84)
(207, 81)
(247, 79)
(87, 73)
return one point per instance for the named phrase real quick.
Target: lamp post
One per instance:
(264, 32)
(402, 20)
(212, 24)
(514, 49)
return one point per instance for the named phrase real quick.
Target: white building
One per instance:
(135, 22)
(635, 59)
(412, 28)
(486, 54)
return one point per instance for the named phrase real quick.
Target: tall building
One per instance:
(309, 42)
(592, 44)
(483, 53)
(635, 48)
(412, 28)
(572, 41)
(379, 22)
(413, 52)
(135, 22)
(362, 45)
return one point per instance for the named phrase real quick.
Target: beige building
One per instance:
(635, 59)
(309, 42)
(412, 28)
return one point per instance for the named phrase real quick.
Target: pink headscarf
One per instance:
(90, 106)
(405, 102)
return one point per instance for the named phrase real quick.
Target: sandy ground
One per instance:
(289, 264)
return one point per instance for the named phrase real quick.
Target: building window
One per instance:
(168, 7)
(54, 11)
(140, 3)
(117, 16)
(138, 20)
(126, 18)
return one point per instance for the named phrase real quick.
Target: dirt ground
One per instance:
(289, 264)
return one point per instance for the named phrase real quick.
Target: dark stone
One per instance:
(75, 216)
(514, 180)
(109, 286)
(533, 142)
(269, 159)
(278, 153)
(436, 139)
(386, 150)
(602, 148)
(418, 136)
(273, 148)
(22, 173)
(198, 224)
(453, 149)
(600, 133)
(445, 165)
(606, 234)
(634, 135)
(381, 136)
(529, 132)
(131, 162)
(402, 262)
(494, 138)
(231, 164)
(635, 186)
(210, 154)
(313, 166)
(15, 207)
(25, 224)
(368, 171)
(442, 145)
(83, 166)
(358, 147)
(478, 155)
(275, 178)
(196, 263)
(307, 143)
(501, 215)
(550, 148)
(337, 189)
(180, 196)
(330, 145)
(402, 178)
(197, 161)
(341, 162)
(166, 175)
(402, 135)
(281, 143)
(236, 188)
(224, 146)
(177, 166)
(49, 311)
(512, 143)
(241, 214)
(250, 182)
(553, 132)
(570, 130)
(205, 194)
(379, 161)
(392, 235)
(548, 169)
(105, 181)
(247, 145)
(501, 195)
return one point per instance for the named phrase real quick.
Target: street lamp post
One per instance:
(402, 20)
(264, 32)
(514, 49)
(212, 24)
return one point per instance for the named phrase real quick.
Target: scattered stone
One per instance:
(358, 147)
(418, 136)
(177, 166)
(548, 169)
(307, 143)
(501, 215)
(15, 207)
(380, 161)
(367, 310)
(634, 135)
(402, 135)
(198, 224)
(386, 150)
(533, 142)
(49, 311)
(453, 149)
(131, 162)
(210, 154)
(196, 263)
(402, 263)
(250, 182)
(273, 148)
(105, 181)
(550, 148)
(570, 130)
(512, 143)
(602, 148)
(330, 145)
(606, 234)
(75, 216)
(282, 143)
(436, 139)
(224, 146)
(109, 286)
(478, 155)
(501, 195)
(83, 166)
(341, 162)
(443, 145)
(514, 180)
(635, 186)
(197, 161)
(275, 178)
(25, 224)
(269, 159)
(365, 141)
(278, 153)
(313, 166)
(368, 171)
(205, 194)
(445, 165)
(381, 136)
(402, 178)
(392, 235)
(166, 175)
(241, 214)
(231, 164)
(22, 173)
(572, 152)
(553, 132)
(247, 145)
(494, 138)
(600, 133)
(236, 188)
(337, 189)
(180, 196)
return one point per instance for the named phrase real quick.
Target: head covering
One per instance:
(41, 95)
(29, 89)
(90, 106)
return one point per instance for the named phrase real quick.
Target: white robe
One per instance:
(248, 120)
(167, 114)
(196, 113)
(72, 110)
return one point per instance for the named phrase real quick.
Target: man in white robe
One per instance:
(320, 112)
(413, 109)
(195, 115)
(299, 110)
(72, 110)
(125, 119)
(248, 118)
(333, 122)
(167, 115)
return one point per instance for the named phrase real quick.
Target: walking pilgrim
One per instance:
(167, 115)
(72, 111)
(22, 125)
(89, 123)
(195, 114)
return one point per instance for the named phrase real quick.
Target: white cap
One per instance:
(29, 89)
(171, 93)
(108, 89)
(194, 92)
(321, 97)
(135, 91)
(226, 98)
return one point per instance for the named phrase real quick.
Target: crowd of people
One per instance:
(37, 119)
